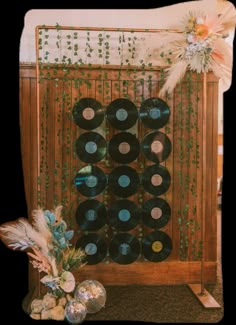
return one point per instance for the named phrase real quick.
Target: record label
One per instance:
(124, 147)
(124, 215)
(156, 179)
(91, 215)
(88, 113)
(156, 213)
(156, 146)
(154, 113)
(122, 113)
(90, 181)
(90, 249)
(91, 147)
(156, 246)
(123, 181)
(124, 248)
(95, 247)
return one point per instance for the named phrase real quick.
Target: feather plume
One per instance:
(57, 213)
(175, 74)
(21, 235)
(40, 224)
(220, 46)
(228, 18)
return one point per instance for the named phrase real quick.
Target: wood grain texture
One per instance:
(60, 163)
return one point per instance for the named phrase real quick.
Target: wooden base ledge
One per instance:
(172, 272)
(204, 297)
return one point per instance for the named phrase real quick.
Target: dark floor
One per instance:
(158, 304)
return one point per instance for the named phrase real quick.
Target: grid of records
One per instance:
(123, 180)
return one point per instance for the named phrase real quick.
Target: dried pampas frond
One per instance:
(227, 18)
(57, 213)
(174, 74)
(201, 49)
(21, 235)
(40, 224)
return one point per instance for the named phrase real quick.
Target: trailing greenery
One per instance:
(63, 54)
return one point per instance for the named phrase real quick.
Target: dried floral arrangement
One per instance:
(47, 243)
(200, 47)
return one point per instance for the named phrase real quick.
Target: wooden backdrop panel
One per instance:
(50, 163)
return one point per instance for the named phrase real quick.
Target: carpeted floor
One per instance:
(158, 304)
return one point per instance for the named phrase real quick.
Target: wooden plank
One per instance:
(176, 204)
(57, 159)
(50, 145)
(32, 204)
(25, 133)
(211, 173)
(171, 272)
(204, 297)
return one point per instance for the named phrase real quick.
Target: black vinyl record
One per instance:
(156, 213)
(91, 215)
(122, 113)
(123, 215)
(124, 248)
(88, 113)
(91, 147)
(94, 246)
(90, 181)
(124, 147)
(156, 179)
(154, 113)
(123, 181)
(156, 146)
(156, 246)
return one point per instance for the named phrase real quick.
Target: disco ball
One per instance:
(92, 293)
(75, 311)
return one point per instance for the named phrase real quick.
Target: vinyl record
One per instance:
(94, 246)
(124, 147)
(88, 113)
(156, 246)
(124, 248)
(156, 179)
(91, 147)
(123, 181)
(154, 113)
(156, 146)
(91, 215)
(90, 181)
(156, 213)
(123, 215)
(122, 113)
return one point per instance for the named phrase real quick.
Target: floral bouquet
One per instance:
(199, 46)
(47, 243)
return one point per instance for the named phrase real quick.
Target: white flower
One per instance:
(67, 282)
(199, 20)
(190, 38)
